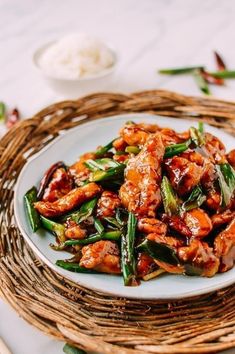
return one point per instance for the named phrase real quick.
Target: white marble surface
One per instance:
(148, 35)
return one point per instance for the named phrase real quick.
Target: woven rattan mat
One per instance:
(69, 312)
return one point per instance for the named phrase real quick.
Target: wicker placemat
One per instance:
(72, 313)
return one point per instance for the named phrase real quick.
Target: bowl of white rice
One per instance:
(76, 64)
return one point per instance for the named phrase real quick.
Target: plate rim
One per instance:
(68, 274)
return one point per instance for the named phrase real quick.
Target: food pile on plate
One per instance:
(151, 201)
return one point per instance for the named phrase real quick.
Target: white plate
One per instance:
(67, 148)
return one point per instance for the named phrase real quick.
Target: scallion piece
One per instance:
(226, 177)
(69, 349)
(83, 213)
(201, 82)
(101, 164)
(195, 200)
(177, 71)
(225, 74)
(55, 228)
(109, 235)
(169, 198)
(2, 111)
(98, 226)
(73, 267)
(104, 149)
(30, 198)
(128, 252)
(159, 251)
(111, 173)
(197, 137)
(176, 149)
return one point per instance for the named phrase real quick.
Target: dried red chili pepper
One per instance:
(211, 79)
(12, 118)
(46, 178)
(221, 66)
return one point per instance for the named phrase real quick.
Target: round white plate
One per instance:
(67, 148)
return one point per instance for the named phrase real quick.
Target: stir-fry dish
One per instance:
(151, 201)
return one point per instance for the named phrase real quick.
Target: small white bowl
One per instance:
(80, 86)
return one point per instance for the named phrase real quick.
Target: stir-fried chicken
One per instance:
(225, 247)
(231, 158)
(168, 207)
(222, 218)
(193, 223)
(183, 174)
(151, 225)
(68, 202)
(74, 231)
(107, 204)
(201, 257)
(60, 184)
(103, 256)
(214, 148)
(79, 171)
(198, 222)
(140, 192)
(145, 264)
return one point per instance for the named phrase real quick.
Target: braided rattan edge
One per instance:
(67, 311)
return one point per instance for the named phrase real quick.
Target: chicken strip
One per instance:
(68, 202)
(140, 192)
(103, 256)
(224, 246)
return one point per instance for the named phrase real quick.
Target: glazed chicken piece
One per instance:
(176, 223)
(214, 148)
(183, 174)
(107, 204)
(103, 256)
(79, 171)
(60, 184)
(198, 222)
(121, 158)
(213, 200)
(69, 201)
(222, 218)
(74, 231)
(174, 242)
(119, 144)
(151, 225)
(145, 264)
(137, 134)
(193, 223)
(231, 158)
(201, 257)
(140, 192)
(224, 246)
(170, 137)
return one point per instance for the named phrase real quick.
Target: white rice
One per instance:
(76, 56)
